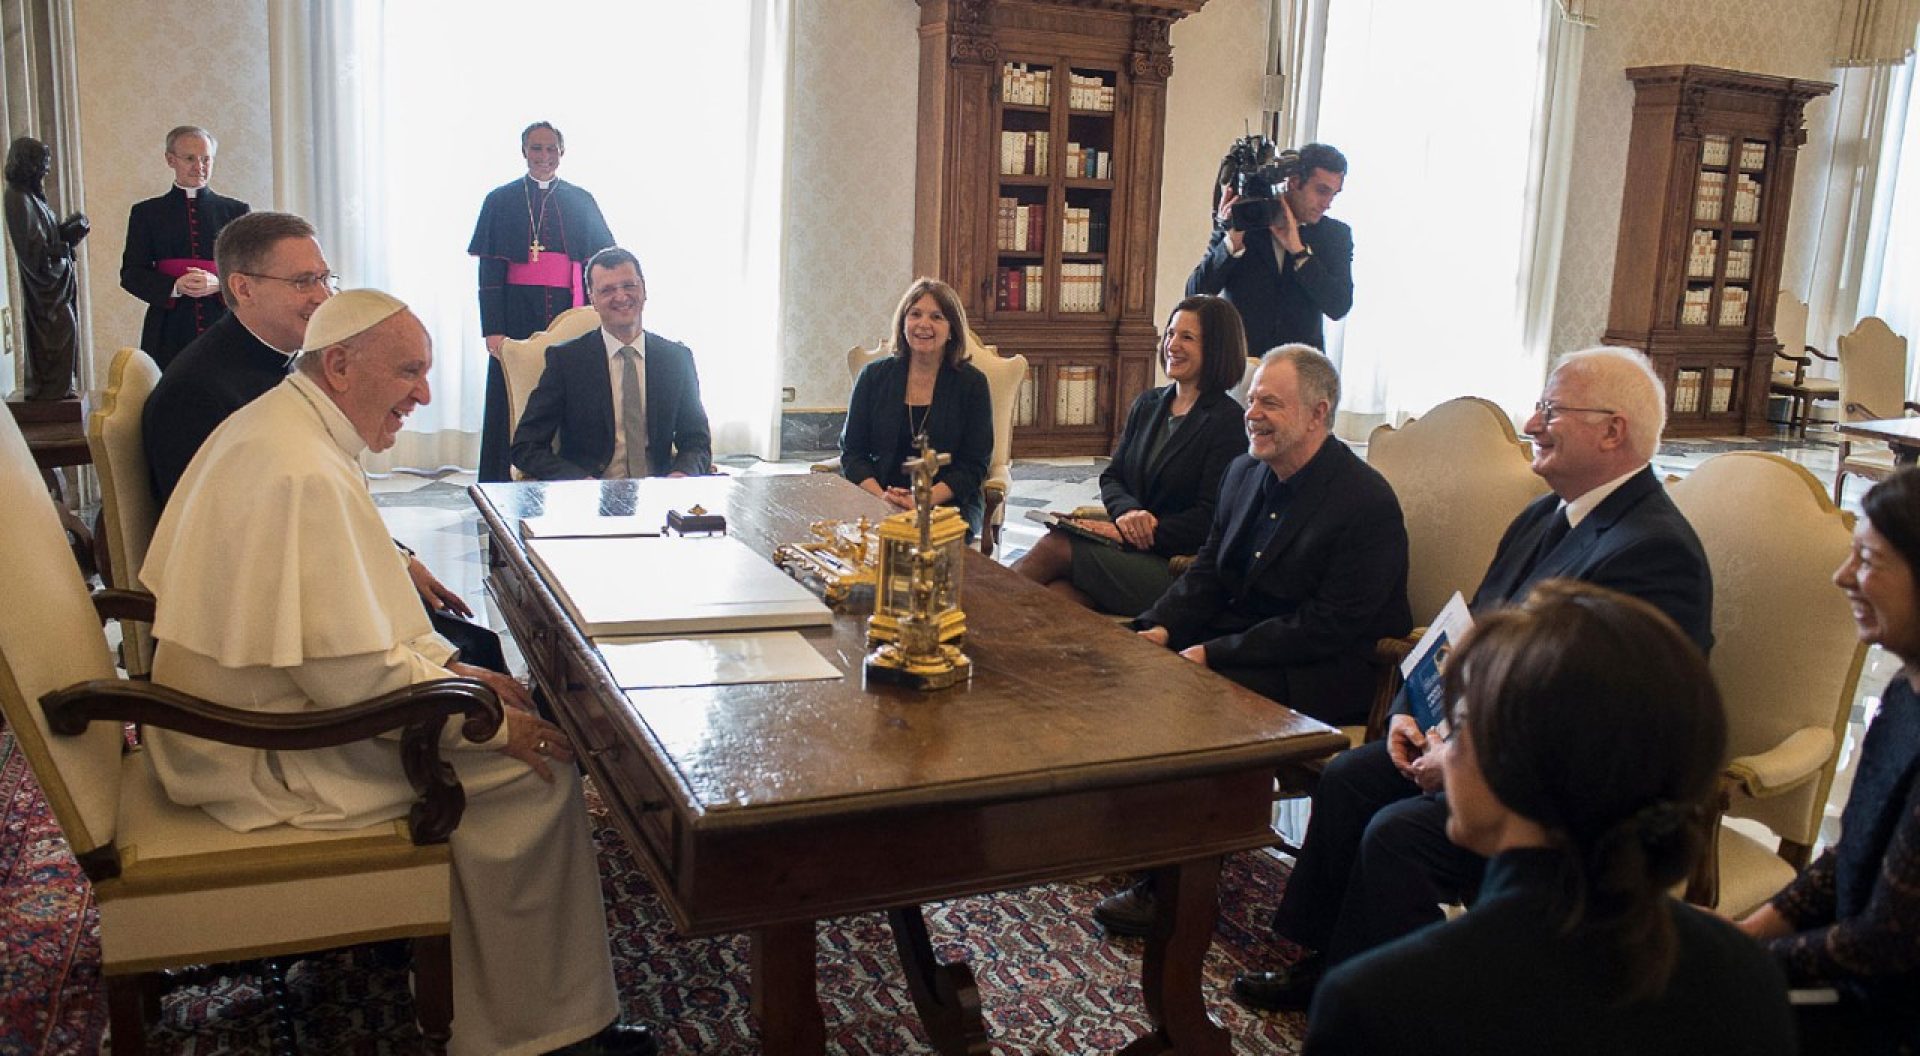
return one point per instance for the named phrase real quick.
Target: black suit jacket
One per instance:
(1279, 303)
(1636, 542)
(218, 373)
(1181, 488)
(959, 422)
(157, 229)
(574, 401)
(1504, 980)
(1300, 625)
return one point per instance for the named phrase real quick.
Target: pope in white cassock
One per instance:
(278, 589)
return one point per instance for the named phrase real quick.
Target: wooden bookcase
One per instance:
(1040, 140)
(1703, 224)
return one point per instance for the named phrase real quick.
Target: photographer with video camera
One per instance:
(1275, 253)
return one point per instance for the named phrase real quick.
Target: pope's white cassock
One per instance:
(279, 590)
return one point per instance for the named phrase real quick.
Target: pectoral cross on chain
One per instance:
(533, 251)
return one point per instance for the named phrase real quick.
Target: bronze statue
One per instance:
(44, 249)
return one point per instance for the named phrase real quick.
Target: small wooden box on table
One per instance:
(1075, 750)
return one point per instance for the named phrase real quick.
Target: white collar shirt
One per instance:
(1578, 509)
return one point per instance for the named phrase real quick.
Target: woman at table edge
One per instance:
(1851, 920)
(924, 386)
(1161, 486)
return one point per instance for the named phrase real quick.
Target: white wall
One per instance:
(144, 69)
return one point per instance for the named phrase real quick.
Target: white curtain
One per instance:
(1453, 191)
(1890, 275)
(398, 117)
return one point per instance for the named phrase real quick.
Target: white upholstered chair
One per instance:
(1004, 375)
(523, 360)
(1873, 384)
(1462, 475)
(1785, 656)
(175, 887)
(127, 507)
(857, 359)
(1791, 363)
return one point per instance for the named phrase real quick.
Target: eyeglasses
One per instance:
(304, 283)
(1549, 410)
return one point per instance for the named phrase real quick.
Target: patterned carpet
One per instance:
(1049, 983)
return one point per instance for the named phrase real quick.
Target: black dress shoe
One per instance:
(1128, 913)
(1287, 990)
(617, 1039)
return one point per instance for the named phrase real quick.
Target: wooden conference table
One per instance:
(1076, 750)
(1900, 434)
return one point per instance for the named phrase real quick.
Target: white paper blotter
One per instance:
(672, 585)
(563, 526)
(714, 660)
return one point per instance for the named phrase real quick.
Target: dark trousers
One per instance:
(495, 437)
(1376, 863)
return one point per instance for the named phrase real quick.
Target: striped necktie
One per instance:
(633, 413)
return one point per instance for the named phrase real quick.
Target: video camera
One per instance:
(1254, 169)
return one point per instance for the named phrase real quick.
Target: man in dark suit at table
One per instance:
(1376, 863)
(622, 402)
(1303, 571)
(168, 261)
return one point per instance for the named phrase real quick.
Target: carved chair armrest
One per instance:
(1387, 656)
(1179, 563)
(422, 710)
(113, 603)
(1796, 760)
(1909, 407)
(1703, 883)
(831, 465)
(1812, 351)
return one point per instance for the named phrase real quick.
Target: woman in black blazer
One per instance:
(925, 386)
(1586, 739)
(1164, 479)
(1851, 921)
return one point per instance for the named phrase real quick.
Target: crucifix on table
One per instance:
(923, 468)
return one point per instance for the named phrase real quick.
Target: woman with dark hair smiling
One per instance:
(1159, 490)
(925, 387)
(1851, 921)
(1585, 737)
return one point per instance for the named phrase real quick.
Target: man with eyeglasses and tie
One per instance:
(621, 402)
(273, 278)
(1376, 863)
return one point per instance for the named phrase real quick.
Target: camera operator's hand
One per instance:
(1286, 233)
(1236, 240)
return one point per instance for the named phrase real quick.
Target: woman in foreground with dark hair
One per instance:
(926, 386)
(1586, 735)
(1159, 490)
(1851, 921)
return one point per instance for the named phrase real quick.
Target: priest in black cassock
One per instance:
(533, 237)
(168, 261)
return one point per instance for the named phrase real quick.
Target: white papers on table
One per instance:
(714, 660)
(671, 585)
(564, 525)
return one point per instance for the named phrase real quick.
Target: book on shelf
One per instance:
(1746, 199)
(1076, 395)
(1686, 392)
(1035, 285)
(1740, 258)
(1025, 86)
(1023, 153)
(1753, 155)
(1733, 306)
(1720, 393)
(1708, 195)
(1088, 92)
(1694, 304)
(1713, 150)
(1702, 251)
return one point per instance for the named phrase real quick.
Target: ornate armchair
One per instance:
(1873, 384)
(1785, 656)
(1004, 375)
(522, 361)
(127, 509)
(1461, 475)
(175, 887)
(857, 360)
(1792, 362)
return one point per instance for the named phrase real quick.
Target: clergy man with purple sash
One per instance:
(168, 261)
(533, 237)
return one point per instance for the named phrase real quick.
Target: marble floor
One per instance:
(433, 515)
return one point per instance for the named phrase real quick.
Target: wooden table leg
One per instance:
(786, 1002)
(945, 994)
(1187, 898)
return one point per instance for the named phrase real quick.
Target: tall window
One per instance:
(1436, 109)
(672, 117)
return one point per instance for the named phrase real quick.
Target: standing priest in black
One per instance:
(533, 238)
(168, 261)
(1376, 863)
